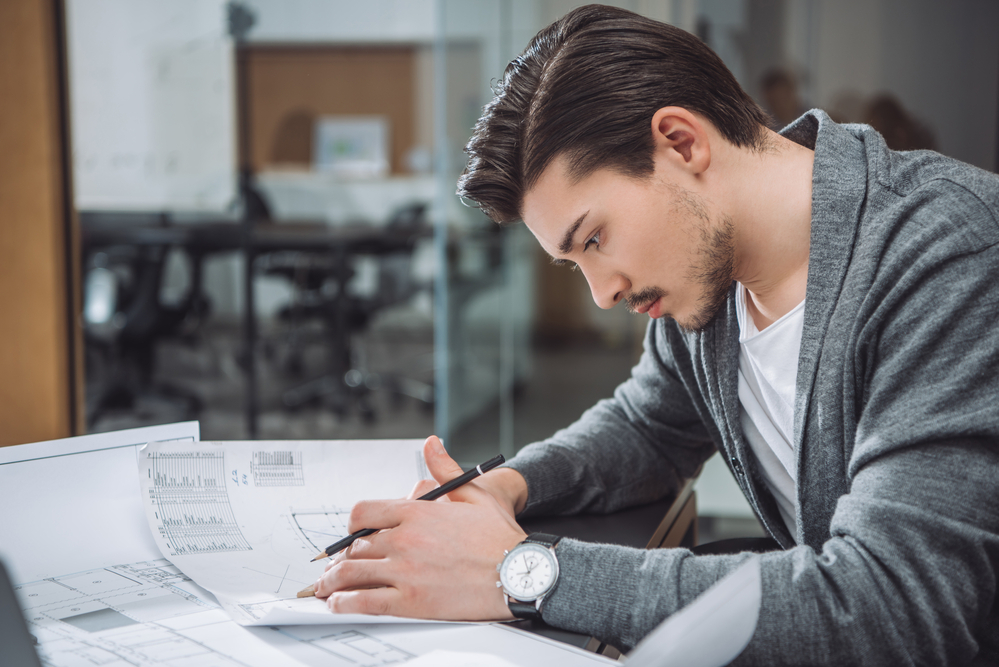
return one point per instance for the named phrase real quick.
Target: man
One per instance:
(824, 313)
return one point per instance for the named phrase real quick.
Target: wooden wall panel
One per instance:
(289, 85)
(35, 377)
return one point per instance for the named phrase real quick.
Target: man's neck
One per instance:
(771, 207)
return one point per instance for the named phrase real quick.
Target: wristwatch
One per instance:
(528, 574)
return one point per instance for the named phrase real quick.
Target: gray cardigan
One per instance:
(896, 433)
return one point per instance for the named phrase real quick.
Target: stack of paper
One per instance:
(234, 527)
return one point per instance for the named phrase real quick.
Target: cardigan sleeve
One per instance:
(633, 448)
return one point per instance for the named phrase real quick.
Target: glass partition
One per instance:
(272, 240)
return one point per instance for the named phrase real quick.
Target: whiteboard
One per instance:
(152, 104)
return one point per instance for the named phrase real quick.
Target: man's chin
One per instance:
(697, 323)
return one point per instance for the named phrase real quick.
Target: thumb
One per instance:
(423, 487)
(444, 469)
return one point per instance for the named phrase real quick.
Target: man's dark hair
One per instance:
(586, 88)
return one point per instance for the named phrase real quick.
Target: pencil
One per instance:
(446, 487)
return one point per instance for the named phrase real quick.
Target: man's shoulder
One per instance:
(927, 172)
(903, 183)
(928, 196)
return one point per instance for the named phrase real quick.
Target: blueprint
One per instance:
(149, 614)
(245, 519)
(90, 579)
(145, 613)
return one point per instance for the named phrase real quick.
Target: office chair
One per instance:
(678, 527)
(124, 318)
(321, 294)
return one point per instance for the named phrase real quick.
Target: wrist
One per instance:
(510, 488)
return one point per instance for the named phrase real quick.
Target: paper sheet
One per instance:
(145, 613)
(54, 518)
(369, 645)
(712, 630)
(244, 519)
(88, 575)
(442, 658)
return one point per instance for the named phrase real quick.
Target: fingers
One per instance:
(441, 466)
(422, 487)
(379, 601)
(347, 574)
(373, 546)
(444, 469)
(377, 514)
(411, 568)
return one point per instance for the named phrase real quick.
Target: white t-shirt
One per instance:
(768, 368)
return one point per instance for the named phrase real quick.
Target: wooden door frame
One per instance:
(41, 378)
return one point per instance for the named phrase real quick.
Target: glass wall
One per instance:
(272, 243)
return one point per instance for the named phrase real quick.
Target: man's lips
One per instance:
(652, 308)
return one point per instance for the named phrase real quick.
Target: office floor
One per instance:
(565, 381)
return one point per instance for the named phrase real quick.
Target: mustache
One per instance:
(644, 297)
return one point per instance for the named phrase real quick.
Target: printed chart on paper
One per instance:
(189, 491)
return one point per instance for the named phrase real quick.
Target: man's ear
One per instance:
(680, 137)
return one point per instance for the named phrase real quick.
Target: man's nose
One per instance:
(608, 289)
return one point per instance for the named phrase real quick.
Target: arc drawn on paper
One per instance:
(320, 528)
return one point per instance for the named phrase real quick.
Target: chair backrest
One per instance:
(679, 526)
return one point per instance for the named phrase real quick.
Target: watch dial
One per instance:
(528, 572)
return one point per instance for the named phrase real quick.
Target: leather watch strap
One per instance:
(544, 539)
(527, 611)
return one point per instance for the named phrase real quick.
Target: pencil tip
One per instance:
(319, 557)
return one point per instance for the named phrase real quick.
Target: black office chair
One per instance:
(321, 294)
(124, 319)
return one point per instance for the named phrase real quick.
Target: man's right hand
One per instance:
(429, 559)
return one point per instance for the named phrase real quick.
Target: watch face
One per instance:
(528, 572)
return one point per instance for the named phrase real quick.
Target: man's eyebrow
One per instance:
(566, 244)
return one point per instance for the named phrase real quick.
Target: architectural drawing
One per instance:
(352, 646)
(147, 614)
